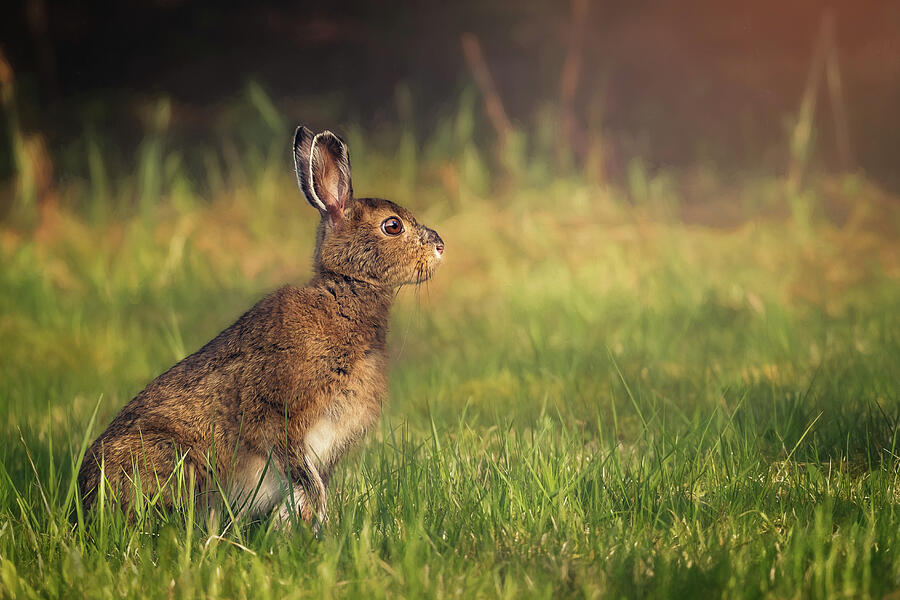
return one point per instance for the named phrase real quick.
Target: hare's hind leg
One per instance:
(145, 471)
(256, 484)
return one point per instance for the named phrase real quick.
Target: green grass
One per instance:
(591, 398)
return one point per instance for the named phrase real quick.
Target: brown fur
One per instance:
(302, 372)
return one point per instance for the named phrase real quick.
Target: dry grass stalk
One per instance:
(824, 65)
(571, 75)
(485, 82)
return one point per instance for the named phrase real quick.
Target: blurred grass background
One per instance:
(635, 374)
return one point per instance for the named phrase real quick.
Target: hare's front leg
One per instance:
(306, 498)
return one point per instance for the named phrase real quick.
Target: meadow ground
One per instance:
(600, 393)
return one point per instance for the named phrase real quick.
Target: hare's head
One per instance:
(369, 239)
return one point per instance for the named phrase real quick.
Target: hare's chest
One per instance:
(350, 413)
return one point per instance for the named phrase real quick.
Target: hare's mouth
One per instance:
(425, 268)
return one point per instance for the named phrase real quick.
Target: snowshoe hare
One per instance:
(262, 413)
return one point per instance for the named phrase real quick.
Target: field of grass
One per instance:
(596, 396)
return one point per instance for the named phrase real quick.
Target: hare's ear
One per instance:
(322, 162)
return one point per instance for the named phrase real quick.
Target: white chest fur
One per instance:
(352, 412)
(326, 440)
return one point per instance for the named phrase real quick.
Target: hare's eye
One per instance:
(392, 226)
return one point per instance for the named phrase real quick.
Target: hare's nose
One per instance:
(431, 237)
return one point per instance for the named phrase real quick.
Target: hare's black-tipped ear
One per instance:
(322, 162)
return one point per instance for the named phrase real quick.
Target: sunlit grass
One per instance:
(591, 397)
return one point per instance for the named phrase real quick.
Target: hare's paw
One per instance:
(297, 507)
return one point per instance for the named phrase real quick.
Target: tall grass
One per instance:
(591, 398)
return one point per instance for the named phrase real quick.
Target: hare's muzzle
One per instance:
(431, 237)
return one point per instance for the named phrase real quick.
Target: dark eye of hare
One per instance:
(392, 226)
